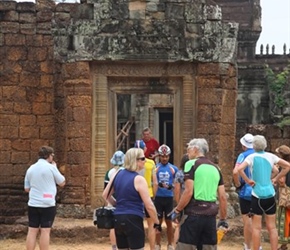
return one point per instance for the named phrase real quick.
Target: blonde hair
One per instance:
(131, 158)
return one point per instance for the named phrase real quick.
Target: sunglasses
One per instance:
(141, 159)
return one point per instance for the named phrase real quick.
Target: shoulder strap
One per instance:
(112, 184)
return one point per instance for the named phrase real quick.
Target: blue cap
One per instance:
(140, 144)
(118, 158)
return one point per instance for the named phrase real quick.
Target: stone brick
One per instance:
(38, 143)
(20, 157)
(27, 29)
(21, 145)
(208, 69)
(34, 40)
(8, 132)
(45, 120)
(78, 129)
(5, 145)
(78, 70)
(37, 54)
(47, 132)
(27, 18)
(286, 131)
(46, 66)
(5, 157)
(10, 79)
(17, 53)
(7, 5)
(37, 95)
(210, 96)
(46, 80)
(273, 131)
(22, 108)
(229, 98)
(10, 27)
(25, 120)
(74, 158)
(40, 108)
(228, 114)
(14, 39)
(6, 120)
(14, 93)
(229, 83)
(208, 128)
(82, 114)
(227, 129)
(205, 82)
(80, 170)
(79, 101)
(80, 144)
(28, 132)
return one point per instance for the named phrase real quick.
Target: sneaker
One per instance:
(170, 247)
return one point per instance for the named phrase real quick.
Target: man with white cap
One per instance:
(245, 190)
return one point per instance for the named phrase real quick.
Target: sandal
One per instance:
(283, 247)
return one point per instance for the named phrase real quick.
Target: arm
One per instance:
(236, 176)
(140, 185)
(186, 195)
(177, 188)
(222, 202)
(285, 169)
(154, 182)
(241, 169)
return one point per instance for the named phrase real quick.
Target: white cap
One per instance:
(247, 140)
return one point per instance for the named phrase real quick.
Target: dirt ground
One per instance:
(73, 234)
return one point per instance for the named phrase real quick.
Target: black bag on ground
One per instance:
(104, 217)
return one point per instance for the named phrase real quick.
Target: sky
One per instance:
(275, 24)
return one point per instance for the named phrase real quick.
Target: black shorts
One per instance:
(146, 212)
(164, 205)
(245, 206)
(261, 206)
(41, 216)
(129, 231)
(197, 231)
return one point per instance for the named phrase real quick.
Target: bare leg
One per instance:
(158, 236)
(31, 238)
(271, 227)
(257, 226)
(113, 238)
(44, 238)
(170, 237)
(176, 234)
(151, 233)
(247, 230)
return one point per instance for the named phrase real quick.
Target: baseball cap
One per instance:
(118, 158)
(140, 144)
(247, 140)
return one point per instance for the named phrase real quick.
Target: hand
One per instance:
(175, 216)
(223, 223)
(251, 183)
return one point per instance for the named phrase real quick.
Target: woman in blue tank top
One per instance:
(131, 195)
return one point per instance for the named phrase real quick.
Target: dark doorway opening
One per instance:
(166, 129)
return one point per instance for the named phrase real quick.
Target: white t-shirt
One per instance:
(41, 178)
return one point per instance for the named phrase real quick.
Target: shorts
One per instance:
(146, 212)
(41, 216)
(129, 231)
(164, 205)
(261, 206)
(197, 231)
(245, 206)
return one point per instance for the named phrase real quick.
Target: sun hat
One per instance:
(118, 158)
(284, 151)
(247, 140)
(140, 144)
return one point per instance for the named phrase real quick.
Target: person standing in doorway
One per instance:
(149, 173)
(40, 182)
(245, 190)
(165, 173)
(152, 144)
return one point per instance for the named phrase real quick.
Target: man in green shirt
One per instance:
(203, 186)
